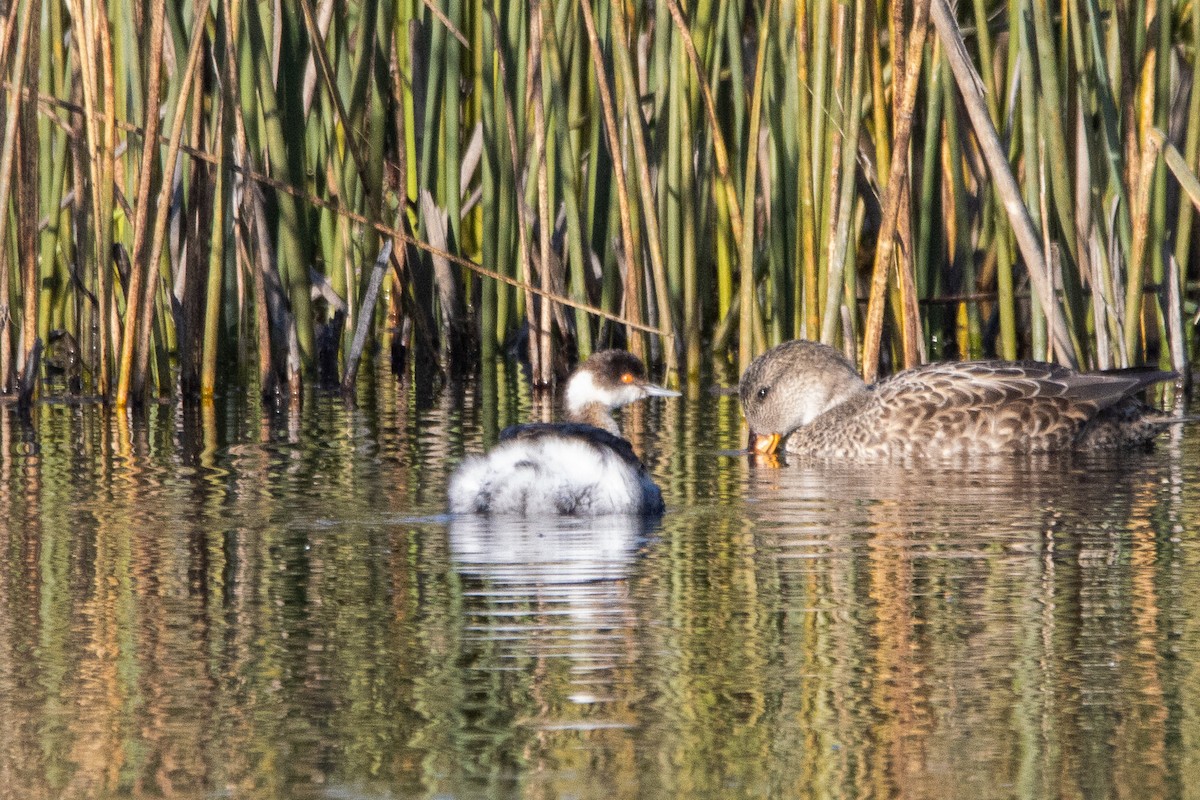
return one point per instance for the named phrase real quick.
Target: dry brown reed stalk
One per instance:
(873, 332)
(23, 11)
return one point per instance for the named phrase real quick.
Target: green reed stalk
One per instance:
(692, 310)
(216, 258)
(598, 203)
(27, 202)
(653, 236)
(632, 251)
(52, 143)
(822, 14)
(1030, 120)
(494, 183)
(1191, 151)
(961, 259)
(154, 259)
(1181, 355)
(451, 138)
(1005, 300)
(542, 328)
(103, 137)
(839, 244)
(1158, 252)
(929, 280)
(1054, 131)
(292, 246)
(553, 78)
(776, 190)
(671, 158)
(806, 302)
(747, 349)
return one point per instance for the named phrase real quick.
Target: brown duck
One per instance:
(811, 394)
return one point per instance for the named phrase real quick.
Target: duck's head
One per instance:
(789, 386)
(611, 379)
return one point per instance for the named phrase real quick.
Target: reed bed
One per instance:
(203, 196)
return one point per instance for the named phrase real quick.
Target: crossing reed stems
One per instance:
(698, 182)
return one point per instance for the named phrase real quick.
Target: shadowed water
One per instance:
(238, 603)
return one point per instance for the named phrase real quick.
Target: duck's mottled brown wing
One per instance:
(996, 406)
(986, 383)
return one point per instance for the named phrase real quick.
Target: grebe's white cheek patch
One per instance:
(582, 390)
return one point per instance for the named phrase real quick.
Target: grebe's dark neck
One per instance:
(596, 414)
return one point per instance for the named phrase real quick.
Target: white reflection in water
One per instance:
(532, 552)
(550, 589)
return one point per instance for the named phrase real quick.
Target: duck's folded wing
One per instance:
(986, 384)
(995, 406)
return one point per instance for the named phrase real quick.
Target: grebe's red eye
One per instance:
(627, 378)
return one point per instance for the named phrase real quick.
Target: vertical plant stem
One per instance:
(746, 348)
(137, 387)
(291, 245)
(569, 171)
(27, 218)
(633, 261)
(891, 201)
(807, 300)
(653, 237)
(1006, 185)
(7, 159)
(839, 242)
(142, 267)
(522, 222)
(545, 229)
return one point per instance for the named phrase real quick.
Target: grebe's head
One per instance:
(789, 386)
(610, 378)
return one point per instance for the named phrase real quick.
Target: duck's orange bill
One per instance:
(764, 444)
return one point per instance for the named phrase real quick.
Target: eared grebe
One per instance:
(811, 394)
(582, 466)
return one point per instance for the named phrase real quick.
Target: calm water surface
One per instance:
(236, 603)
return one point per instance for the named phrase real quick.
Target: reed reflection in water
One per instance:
(256, 604)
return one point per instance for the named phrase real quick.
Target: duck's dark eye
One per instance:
(762, 392)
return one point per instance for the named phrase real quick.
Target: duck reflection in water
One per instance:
(811, 395)
(579, 467)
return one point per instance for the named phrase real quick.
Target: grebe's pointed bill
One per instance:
(764, 444)
(654, 390)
